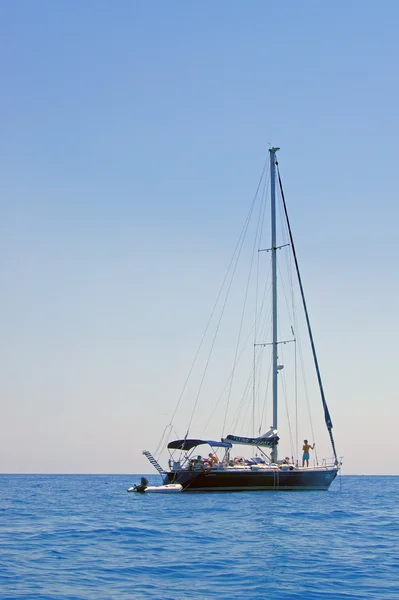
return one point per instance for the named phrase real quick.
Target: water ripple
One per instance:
(84, 537)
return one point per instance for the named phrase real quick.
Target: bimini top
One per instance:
(189, 444)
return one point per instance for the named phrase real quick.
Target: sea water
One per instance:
(84, 537)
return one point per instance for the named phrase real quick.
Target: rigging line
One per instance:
(294, 319)
(288, 265)
(228, 379)
(240, 407)
(290, 310)
(212, 345)
(240, 239)
(265, 395)
(299, 349)
(302, 360)
(284, 387)
(296, 399)
(295, 384)
(284, 291)
(266, 327)
(238, 342)
(159, 447)
(293, 329)
(253, 392)
(256, 306)
(327, 416)
(288, 262)
(244, 407)
(255, 333)
(259, 360)
(254, 347)
(239, 246)
(256, 243)
(245, 399)
(305, 385)
(282, 353)
(241, 352)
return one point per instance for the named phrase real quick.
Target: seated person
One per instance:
(196, 461)
(213, 458)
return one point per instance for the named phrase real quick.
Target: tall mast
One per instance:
(274, 291)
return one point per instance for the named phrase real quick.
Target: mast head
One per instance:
(273, 150)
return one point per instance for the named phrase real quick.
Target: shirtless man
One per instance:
(306, 448)
(213, 458)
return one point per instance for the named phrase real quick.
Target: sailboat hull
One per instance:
(229, 480)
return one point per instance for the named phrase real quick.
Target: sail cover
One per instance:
(269, 439)
(192, 443)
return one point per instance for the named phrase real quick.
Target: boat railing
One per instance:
(330, 462)
(188, 464)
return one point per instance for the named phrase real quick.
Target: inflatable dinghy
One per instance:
(144, 488)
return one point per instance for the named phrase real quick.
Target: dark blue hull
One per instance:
(236, 480)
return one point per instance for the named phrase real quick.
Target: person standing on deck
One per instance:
(306, 448)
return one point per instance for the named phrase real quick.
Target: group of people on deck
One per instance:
(213, 460)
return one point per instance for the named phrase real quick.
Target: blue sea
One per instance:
(84, 537)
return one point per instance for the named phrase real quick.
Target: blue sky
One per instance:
(132, 139)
